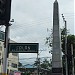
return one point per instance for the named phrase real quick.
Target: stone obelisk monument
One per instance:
(56, 55)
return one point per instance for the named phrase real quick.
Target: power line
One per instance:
(29, 58)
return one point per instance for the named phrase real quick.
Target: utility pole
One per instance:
(5, 49)
(65, 44)
(72, 59)
(37, 64)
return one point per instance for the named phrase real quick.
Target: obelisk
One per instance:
(56, 55)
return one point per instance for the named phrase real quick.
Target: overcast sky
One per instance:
(33, 17)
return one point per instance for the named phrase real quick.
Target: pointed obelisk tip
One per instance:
(56, 1)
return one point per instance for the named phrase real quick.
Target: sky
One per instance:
(32, 18)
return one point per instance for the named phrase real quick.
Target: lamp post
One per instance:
(6, 47)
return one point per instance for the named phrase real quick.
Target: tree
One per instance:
(46, 64)
(43, 65)
(70, 40)
(20, 64)
(49, 40)
(37, 62)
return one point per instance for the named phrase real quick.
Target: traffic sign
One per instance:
(23, 47)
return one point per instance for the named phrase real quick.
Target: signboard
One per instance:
(23, 47)
(2, 36)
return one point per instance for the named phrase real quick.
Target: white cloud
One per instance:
(33, 17)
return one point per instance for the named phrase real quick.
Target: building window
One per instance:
(0, 54)
(0, 48)
(7, 71)
(15, 54)
(0, 61)
(8, 64)
(14, 65)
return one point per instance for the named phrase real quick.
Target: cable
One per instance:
(29, 58)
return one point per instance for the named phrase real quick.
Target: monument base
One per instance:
(57, 71)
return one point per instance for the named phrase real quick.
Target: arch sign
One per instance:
(23, 47)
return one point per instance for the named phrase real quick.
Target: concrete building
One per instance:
(1, 55)
(13, 59)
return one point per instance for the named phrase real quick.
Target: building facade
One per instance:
(1, 55)
(12, 60)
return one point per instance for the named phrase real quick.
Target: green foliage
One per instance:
(20, 64)
(37, 62)
(70, 40)
(49, 39)
(45, 64)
